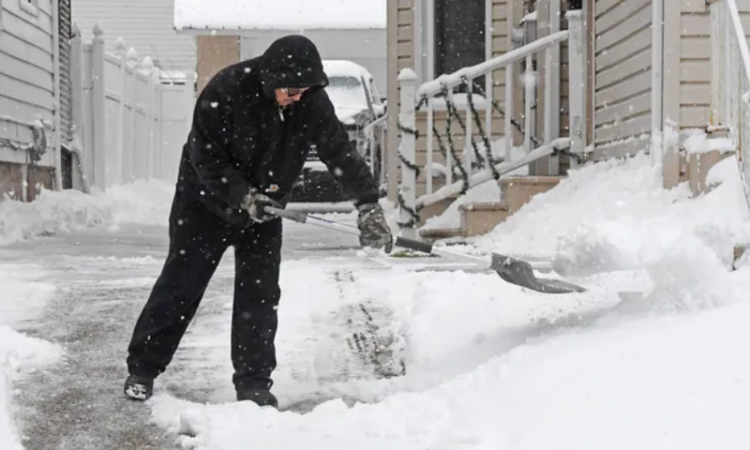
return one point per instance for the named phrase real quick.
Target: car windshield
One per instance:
(346, 91)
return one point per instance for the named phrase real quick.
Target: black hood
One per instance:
(294, 62)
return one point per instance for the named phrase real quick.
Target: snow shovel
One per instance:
(510, 269)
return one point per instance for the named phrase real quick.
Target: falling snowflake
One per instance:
(214, 104)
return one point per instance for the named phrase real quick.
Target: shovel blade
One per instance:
(520, 273)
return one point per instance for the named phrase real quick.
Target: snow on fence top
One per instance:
(280, 14)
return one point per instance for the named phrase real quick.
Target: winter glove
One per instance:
(375, 232)
(254, 202)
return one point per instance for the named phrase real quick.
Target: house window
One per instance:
(459, 35)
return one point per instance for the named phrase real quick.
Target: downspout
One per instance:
(56, 109)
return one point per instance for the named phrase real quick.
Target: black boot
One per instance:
(261, 397)
(139, 388)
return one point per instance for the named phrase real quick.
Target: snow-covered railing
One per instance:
(487, 153)
(730, 102)
(127, 124)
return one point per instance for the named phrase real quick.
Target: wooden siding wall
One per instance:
(622, 76)
(26, 76)
(695, 64)
(26, 94)
(405, 31)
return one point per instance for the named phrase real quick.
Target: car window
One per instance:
(374, 93)
(346, 91)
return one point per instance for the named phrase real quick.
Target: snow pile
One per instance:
(292, 15)
(21, 299)
(53, 212)
(489, 365)
(615, 215)
(442, 345)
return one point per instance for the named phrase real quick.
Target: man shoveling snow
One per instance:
(253, 126)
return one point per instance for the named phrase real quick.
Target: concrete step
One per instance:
(481, 218)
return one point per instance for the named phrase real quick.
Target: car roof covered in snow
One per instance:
(292, 15)
(340, 67)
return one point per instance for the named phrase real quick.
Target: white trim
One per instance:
(657, 80)
(417, 38)
(30, 6)
(488, 54)
(430, 72)
(424, 40)
(57, 132)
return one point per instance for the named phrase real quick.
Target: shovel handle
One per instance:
(302, 217)
(412, 244)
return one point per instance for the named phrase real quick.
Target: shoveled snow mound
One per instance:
(490, 365)
(53, 212)
(616, 215)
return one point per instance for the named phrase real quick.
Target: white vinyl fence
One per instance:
(128, 124)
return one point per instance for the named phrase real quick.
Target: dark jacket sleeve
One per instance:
(340, 155)
(209, 151)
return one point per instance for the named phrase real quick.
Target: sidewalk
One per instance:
(101, 279)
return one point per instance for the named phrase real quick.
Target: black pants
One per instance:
(198, 239)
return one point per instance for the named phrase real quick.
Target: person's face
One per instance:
(287, 96)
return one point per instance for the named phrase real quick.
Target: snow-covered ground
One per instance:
(651, 356)
(23, 295)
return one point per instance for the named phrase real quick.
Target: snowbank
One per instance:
(292, 15)
(142, 202)
(490, 365)
(22, 297)
(615, 215)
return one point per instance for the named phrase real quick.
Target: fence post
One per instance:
(76, 84)
(97, 109)
(577, 83)
(407, 199)
(148, 67)
(132, 63)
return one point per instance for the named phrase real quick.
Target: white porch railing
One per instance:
(730, 103)
(480, 162)
(127, 124)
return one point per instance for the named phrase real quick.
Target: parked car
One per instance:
(354, 95)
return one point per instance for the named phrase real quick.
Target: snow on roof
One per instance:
(280, 14)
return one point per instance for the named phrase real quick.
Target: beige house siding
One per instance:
(623, 77)
(405, 32)
(695, 64)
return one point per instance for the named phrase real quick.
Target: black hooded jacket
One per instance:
(241, 138)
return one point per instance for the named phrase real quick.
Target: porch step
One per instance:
(481, 218)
